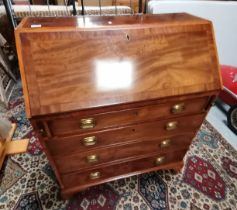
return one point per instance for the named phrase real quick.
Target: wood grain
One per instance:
(71, 125)
(122, 62)
(71, 159)
(127, 73)
(98, 22)
(73, 145)
(138, 132)
(118, 154)
(78, 181)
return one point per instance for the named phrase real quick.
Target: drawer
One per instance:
(138, 132)
(78, 181)
(77, 123)
(124, 153)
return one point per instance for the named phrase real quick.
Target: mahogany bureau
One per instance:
(111, 97)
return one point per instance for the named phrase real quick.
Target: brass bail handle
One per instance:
(178, 108)
(92, 158)
(171, 125)
(95, 175)
(165, 143)
(160, 160)
(87, 123)
(89, 141)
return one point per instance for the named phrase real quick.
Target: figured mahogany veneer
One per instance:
(132, 133)
(74, 144)
(118, 154)
(111, 97)
(110, 173)
(71, 124)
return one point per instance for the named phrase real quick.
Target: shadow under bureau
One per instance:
(111, 97)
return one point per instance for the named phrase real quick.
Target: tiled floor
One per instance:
(218, 119)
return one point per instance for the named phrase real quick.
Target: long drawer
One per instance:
(77, 181)
(79, 123)
(124, 153)
(139, 132)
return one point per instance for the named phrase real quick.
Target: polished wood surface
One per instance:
(71, 124)
(73, 145)
(118, 154)
(137, 132)
(73, 183)
(111, 97)
(121, 62)
(98, 22)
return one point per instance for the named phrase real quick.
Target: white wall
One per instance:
(222, 14)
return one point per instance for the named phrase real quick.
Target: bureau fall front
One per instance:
(111, 97)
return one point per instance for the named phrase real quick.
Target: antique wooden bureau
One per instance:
(111, 97)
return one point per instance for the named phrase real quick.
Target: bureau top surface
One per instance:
(75, 63)
(86, 22)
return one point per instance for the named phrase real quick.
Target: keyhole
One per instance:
(128, 38)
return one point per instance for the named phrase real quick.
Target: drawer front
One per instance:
(77, 181)
(124, 153)
(75, 124)
(139, 132)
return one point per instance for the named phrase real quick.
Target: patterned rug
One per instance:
(208, 180)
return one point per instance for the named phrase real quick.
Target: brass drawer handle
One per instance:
(171, 126)
(87, 123)
(178, 108)
(160, 160)
(165, 143)
(92, 158)
(89, 141)
(94, 175)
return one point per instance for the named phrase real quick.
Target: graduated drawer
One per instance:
(138, 132)
(123, 153)
(78, 181)
(77, 123)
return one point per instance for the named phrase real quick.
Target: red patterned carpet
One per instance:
(208, 180)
